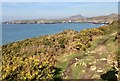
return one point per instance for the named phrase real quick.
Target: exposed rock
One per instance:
(93, 68)
(95, 76)
(99, 70)
(103, 59)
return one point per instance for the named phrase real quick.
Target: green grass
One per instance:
(64, 61)
(77, 71)
(62, 65)
(67, 57)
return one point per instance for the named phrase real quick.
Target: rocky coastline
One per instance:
(73, 19)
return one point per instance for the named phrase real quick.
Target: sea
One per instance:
(17, 32)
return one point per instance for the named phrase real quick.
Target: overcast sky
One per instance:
(37, 10)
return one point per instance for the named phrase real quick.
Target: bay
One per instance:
(17, 32)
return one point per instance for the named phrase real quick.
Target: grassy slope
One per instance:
(78, 55)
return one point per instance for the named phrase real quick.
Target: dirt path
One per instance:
(68, 70)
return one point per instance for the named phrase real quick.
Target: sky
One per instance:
(48, 10)
(60, 0)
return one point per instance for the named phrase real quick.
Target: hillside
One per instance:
(76, 17)
(88, 54)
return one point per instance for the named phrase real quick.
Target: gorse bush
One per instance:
(61, 40)
(27, 69)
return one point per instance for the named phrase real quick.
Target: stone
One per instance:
(83, 70)
(84, 64)
(99, 70)
(93, 68)
(76, 59)
(103, 59)
(94, 62)
(95, 76)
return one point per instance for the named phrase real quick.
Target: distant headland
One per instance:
(105, 19)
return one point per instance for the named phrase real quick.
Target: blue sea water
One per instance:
(16, 32)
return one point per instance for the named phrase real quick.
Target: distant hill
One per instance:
(76, 16)
(113, 15)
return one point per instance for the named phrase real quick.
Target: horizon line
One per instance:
(50, 18)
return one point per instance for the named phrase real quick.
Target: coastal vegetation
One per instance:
(87, 54)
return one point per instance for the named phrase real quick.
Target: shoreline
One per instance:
(50, 34)
(59, 23)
